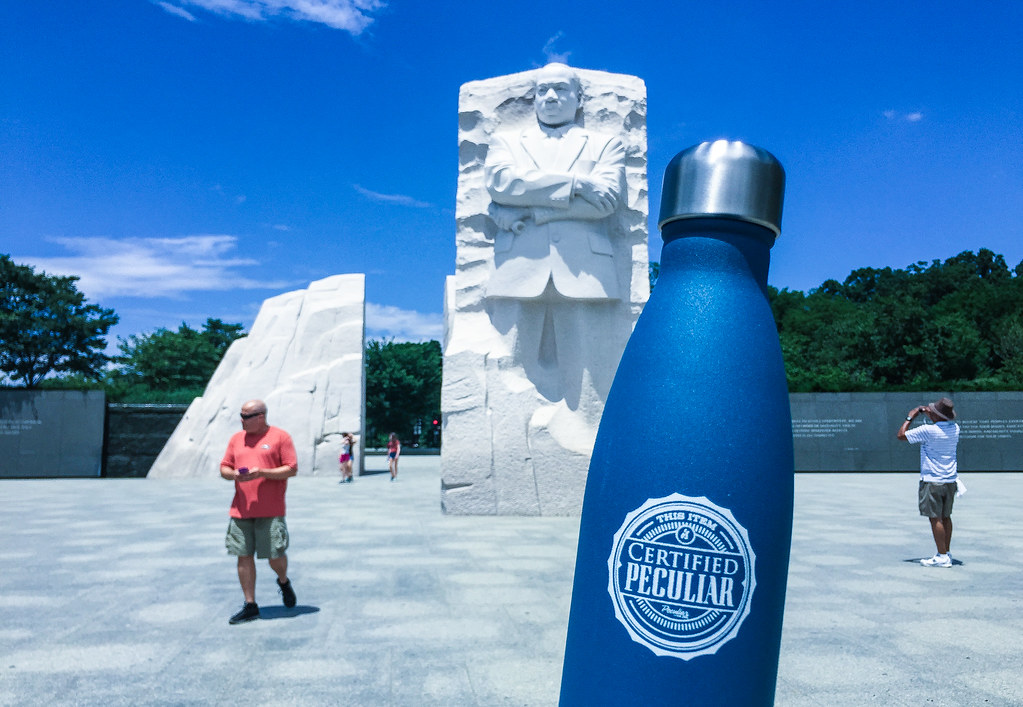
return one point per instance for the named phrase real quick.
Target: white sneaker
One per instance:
(937, 561)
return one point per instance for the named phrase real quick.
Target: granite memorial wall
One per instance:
(51, 433)
(856, 431)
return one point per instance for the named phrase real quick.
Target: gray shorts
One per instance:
(262, 537)
(936, 499)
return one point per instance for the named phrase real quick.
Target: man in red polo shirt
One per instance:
(259, 460)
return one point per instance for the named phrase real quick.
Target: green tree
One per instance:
(952, 325)
(46, 326)
(1009, 348)
(171, 365)
(403, 382)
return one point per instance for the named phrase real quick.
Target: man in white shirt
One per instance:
(938, 471)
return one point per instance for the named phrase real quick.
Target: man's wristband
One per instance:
(909, 419)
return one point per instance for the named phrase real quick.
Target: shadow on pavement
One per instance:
(283, 612)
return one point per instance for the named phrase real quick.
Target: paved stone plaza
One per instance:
(117, 592)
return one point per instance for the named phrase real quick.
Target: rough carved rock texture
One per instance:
(510, 448)
(304, 358)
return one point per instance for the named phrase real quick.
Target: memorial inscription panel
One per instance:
(51, 433)
(856, 431)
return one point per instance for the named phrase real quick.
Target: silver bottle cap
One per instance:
(726, 179)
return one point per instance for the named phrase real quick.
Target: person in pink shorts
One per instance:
(345, 460)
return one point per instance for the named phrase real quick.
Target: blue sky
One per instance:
(190, 158)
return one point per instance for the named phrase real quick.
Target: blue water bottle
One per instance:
(687, 517)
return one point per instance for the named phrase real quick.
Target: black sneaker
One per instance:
(287, 593)
(249, 612)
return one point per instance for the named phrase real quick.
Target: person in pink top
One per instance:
(393, 452)
(259, 460)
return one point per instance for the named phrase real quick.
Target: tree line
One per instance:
(955, 325)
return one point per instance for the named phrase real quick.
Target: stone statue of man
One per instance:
(555, 187)
(551, 274)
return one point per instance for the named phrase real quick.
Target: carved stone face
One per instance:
(557, 95)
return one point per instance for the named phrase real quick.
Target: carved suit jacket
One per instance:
(546, 234)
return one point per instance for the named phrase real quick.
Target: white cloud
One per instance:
(352, 16)
(912, 117)
(399, 199)
(179, 11)
(387, 322)
(152, 267)
(552, 56)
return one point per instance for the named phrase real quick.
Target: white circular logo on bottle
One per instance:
(681, 575)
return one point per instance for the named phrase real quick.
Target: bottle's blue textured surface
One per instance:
(699, 407)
